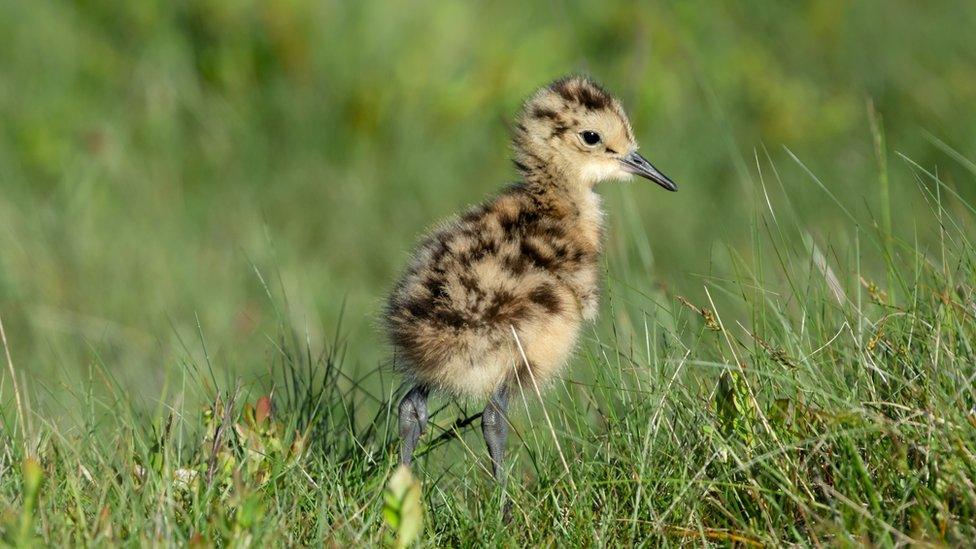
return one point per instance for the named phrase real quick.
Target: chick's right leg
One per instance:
(494, 425)
(413, 421)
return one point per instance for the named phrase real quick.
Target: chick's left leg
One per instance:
(413, 420)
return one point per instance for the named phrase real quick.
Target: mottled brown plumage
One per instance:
(525, 263)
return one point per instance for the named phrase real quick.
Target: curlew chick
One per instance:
(495, 299)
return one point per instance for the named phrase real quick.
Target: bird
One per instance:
(494, 299)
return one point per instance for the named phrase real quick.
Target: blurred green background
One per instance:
(155, 156)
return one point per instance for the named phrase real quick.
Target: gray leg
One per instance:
(413, 421)
(494, 425)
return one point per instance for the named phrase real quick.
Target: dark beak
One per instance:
(638, 165)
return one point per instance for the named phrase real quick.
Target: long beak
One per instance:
(638, 165)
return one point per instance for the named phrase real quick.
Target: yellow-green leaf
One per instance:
(403, 507)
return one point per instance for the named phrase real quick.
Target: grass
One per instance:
(815, 405)
(202, 204)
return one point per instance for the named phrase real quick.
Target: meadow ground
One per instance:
(203, 203)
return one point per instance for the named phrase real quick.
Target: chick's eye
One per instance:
(590, 138)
